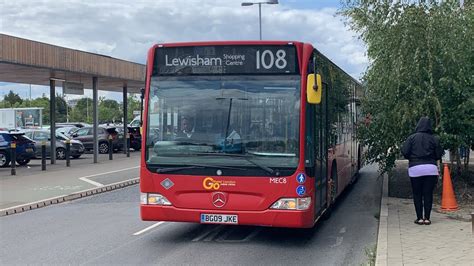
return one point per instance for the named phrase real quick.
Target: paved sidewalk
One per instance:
(446, 241)
(32, 185)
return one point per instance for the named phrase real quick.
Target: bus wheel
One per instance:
(333, 183)
(357, 173)
(359, 159)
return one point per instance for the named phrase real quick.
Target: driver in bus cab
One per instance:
(187, 128)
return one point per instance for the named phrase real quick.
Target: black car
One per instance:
(135, 137)
(25, 148)
(85, 135)
(72, 124)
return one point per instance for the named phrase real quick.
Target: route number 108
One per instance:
(267, 59)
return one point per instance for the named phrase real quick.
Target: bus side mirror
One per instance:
(314, 88)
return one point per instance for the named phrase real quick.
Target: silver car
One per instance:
(38, 136)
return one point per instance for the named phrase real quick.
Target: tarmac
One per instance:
(449, 240)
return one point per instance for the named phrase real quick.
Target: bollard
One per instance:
(13, 156)
(68, 153)
(111, 148)
(43, 155)
(128, 145)
(472, 221)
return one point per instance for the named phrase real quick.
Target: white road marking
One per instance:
(342, 231)
(148, 228)
(111, 172)
(97, 184)
(206, 233)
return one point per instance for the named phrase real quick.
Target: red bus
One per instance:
(246, 132)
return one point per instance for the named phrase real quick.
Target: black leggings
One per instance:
(423, 187)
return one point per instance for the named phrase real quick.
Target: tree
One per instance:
(82, 112)
(109, 111)
(133, 105)
(421, 63)
(13, 99)
(61, 109)
(44, 103)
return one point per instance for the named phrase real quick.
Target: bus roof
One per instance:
(208, 43)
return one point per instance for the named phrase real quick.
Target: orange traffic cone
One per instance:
(448, 200)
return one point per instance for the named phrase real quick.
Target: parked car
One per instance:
(38, 136)
(135, 137)
(25, 148)
(73, 124)
(68, 130)
(135, 122)
(85, 135)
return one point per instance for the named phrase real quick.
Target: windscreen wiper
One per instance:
(172, 169)
(194, 166)
(246, 157)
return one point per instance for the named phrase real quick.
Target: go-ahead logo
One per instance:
(209, 183)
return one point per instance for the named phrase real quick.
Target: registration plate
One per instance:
(29, 150)
(218, 219)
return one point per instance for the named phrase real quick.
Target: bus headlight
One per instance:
(154, 199)
(292, 204)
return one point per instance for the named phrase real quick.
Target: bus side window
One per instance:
(310, 135)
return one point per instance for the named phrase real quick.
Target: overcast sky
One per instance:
(125, 29)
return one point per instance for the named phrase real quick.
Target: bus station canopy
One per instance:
(31, 62)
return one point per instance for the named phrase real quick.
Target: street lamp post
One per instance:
(270, 2)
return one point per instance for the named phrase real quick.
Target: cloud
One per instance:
(127, 29)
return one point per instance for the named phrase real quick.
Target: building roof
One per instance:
(31, 62)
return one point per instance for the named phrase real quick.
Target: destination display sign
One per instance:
(225, 59)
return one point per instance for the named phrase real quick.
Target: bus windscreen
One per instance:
(199, 119)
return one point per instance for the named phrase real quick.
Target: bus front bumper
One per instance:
(272, 218)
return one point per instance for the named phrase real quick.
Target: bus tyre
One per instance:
(4, 159)
(359, 159)
(333, 183)
(355, 178)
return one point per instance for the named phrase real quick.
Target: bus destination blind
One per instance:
(212, 60)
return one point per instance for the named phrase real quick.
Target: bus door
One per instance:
(316, 150)
(321, 147)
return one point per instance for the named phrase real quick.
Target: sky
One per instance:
(127, 29)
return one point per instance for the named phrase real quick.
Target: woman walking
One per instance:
(422, 150)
